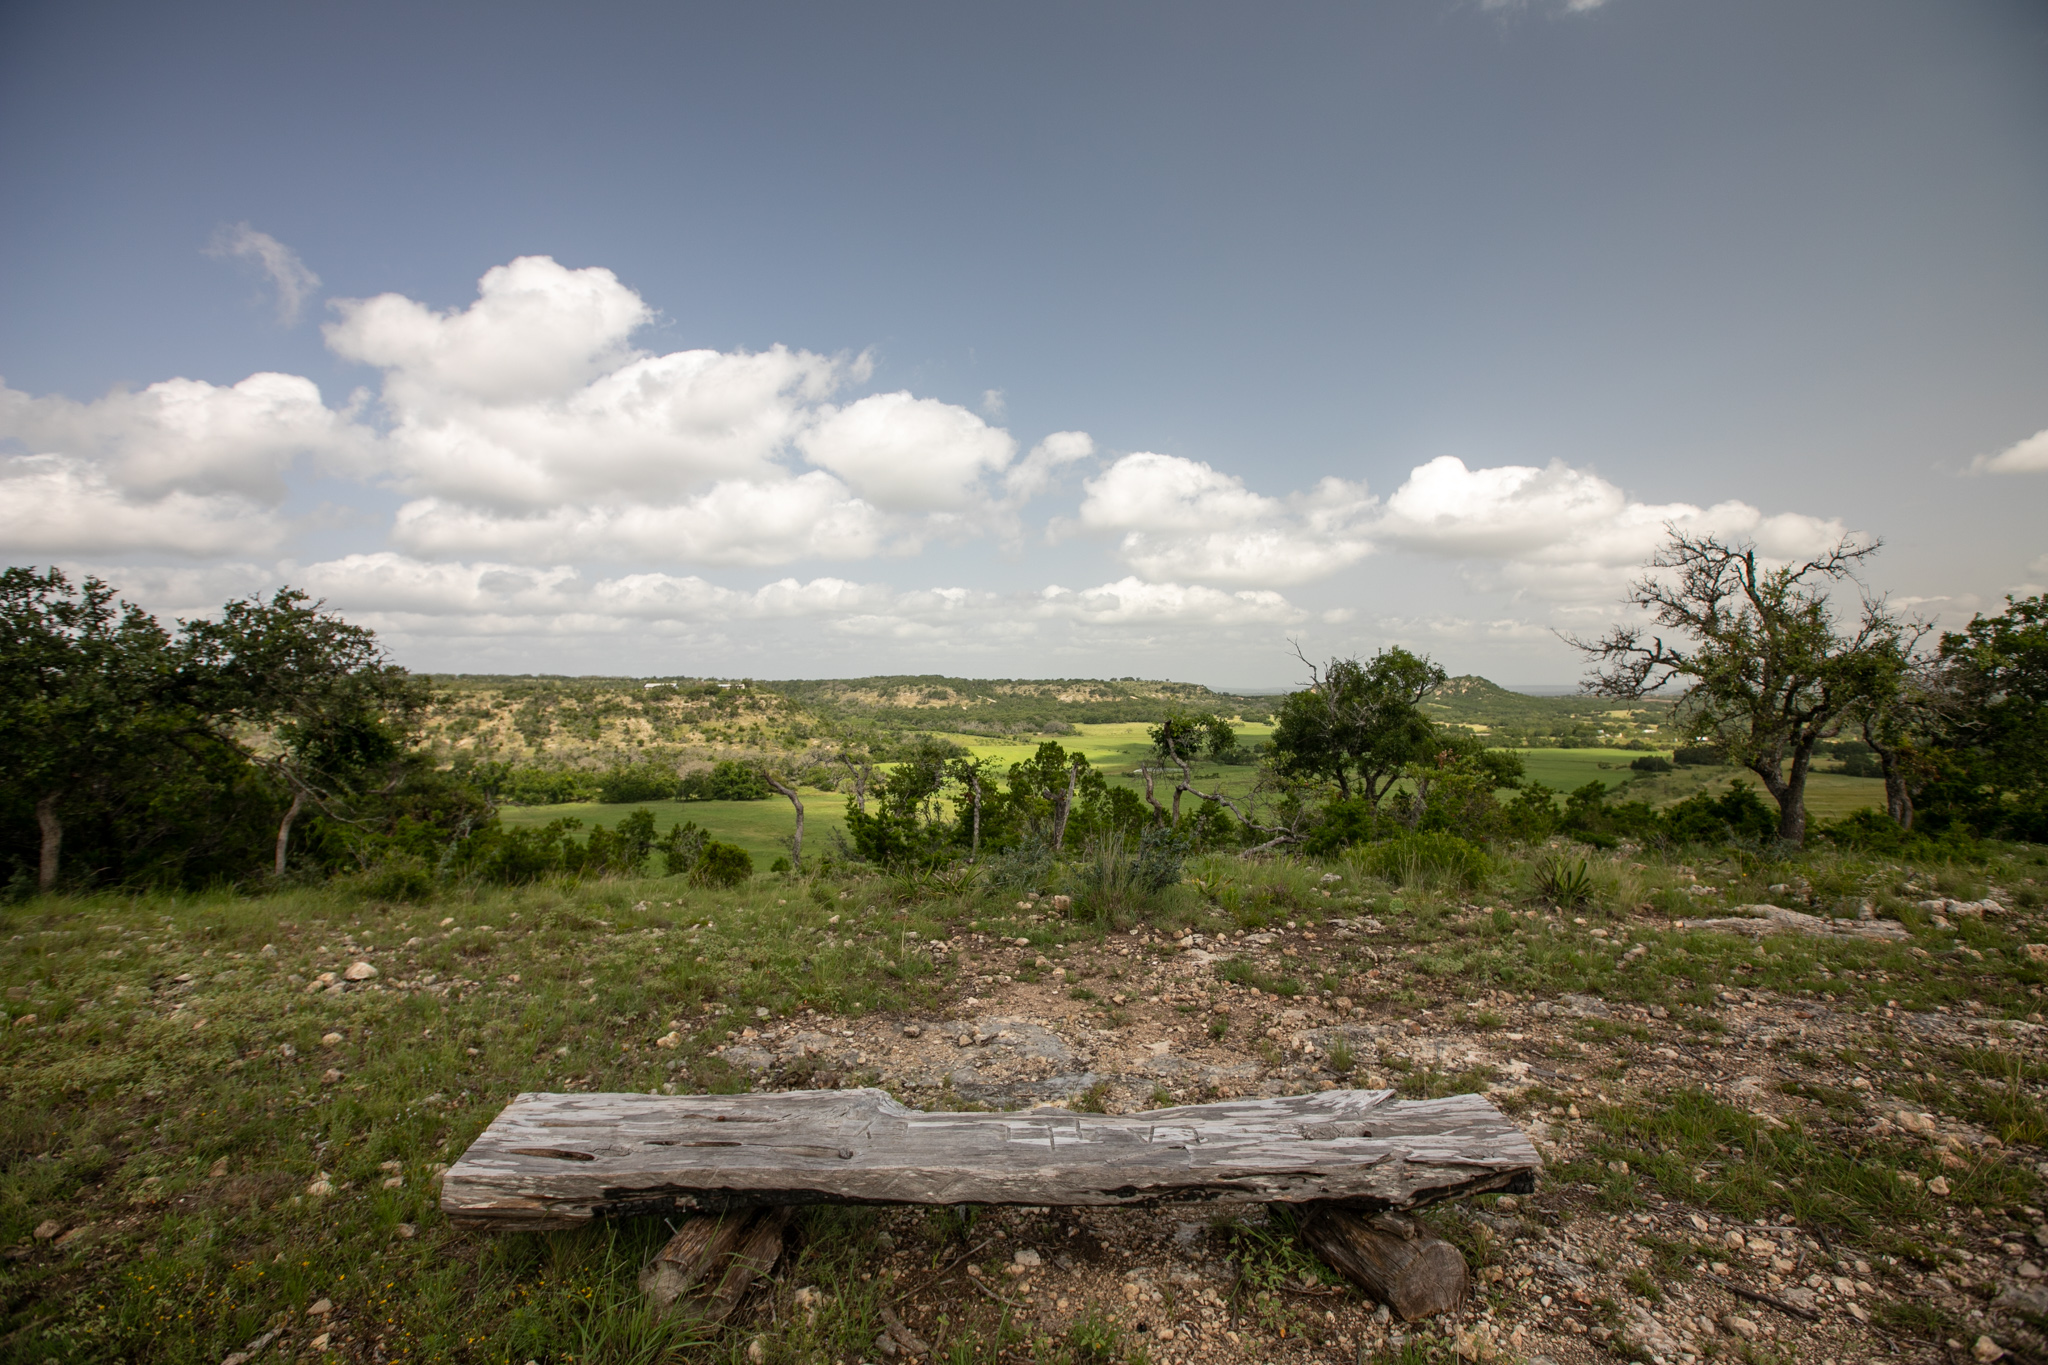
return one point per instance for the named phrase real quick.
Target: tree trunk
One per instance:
(1187, 779)
(53, 841)
(796, 841)
(284, 828)
(1062, 806)
(1898, 797)
(1151, 799)
(567, 1160)
(1792, 801)
(1391, 1258)
(974, 795)
(858, 776)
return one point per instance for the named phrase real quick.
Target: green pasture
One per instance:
(762, 828)
(1118, 748)
(1829, 796)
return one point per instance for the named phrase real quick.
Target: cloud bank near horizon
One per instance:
(542, 478)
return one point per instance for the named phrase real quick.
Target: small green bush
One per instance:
(404, 880)
(1426, 860)
(723, 865)
(1651, 763)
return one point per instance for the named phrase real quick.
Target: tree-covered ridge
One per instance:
(591, 723)
(597, 722)
(1518, 720)
(1009, 705)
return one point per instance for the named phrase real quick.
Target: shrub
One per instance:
(681, 847)
(729, 780)
(724, 865)
(1590, 819)
(1699, 756)
(735, 781)
(1344, 823)
(406, 880)
(1161, 855)
(623, 848)
(1564, 882)
(1428, 859)
(1738, 815)
(535, 786)
(1651, 763)
(637, 782)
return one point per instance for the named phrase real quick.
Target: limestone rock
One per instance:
(1757, 920)
(1647, 1336)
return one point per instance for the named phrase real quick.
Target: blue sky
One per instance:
(1065, 340)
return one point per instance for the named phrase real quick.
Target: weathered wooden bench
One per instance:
(561, 1161)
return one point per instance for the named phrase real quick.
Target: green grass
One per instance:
(171, 1092)
(1118, 748)
(762, 828)
(133, 1087)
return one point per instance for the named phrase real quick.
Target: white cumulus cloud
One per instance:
(909, 454)
(1180, 518)
(499, 597)
(537, 329)
(1566, 533)
(1132, 601)
(2021, 457)
(740, 522)
(188, 435)
(55, 505)
(422, 598)
(528, 425)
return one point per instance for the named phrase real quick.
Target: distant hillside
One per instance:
(597, 721)
(593, 722)
(1515, 719)
(1006, 705)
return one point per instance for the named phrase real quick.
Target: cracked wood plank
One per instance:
(558, 1161)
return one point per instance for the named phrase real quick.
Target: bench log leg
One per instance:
(1391, 1258)
(716, 1255)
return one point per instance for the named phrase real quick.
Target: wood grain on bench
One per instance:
(555, 1161)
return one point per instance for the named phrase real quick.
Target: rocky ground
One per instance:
(1560, 1275)
(1810, 1134)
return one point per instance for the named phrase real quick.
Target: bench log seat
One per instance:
(560, 1160)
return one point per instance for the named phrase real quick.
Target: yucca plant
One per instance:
(1564, 882)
